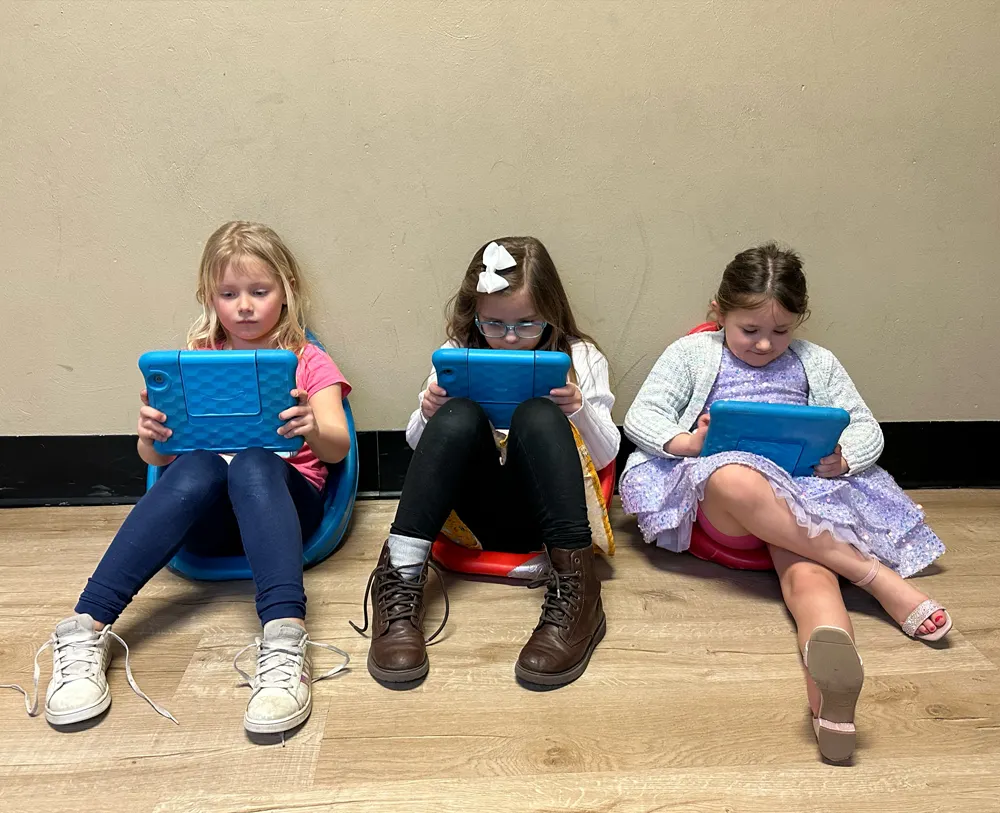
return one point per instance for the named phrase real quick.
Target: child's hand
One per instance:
(832, 465)
(697, 442)
(689, 444)
(151, 422)
(299, 419)
(569, 399)
(435, 397)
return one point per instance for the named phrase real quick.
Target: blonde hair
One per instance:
(230, 243)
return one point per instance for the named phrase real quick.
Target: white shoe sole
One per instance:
(278, 726)
(79, 715)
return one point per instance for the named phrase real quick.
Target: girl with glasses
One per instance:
(517, 491)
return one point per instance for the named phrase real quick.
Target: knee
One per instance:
(460, 419)
(196, 474)
(253, 466)
(537, 415)
(805, 579)
(735, 484)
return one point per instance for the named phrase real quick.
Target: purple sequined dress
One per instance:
(867, 510)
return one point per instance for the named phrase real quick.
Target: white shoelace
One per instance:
(68, 654)
(278, 666)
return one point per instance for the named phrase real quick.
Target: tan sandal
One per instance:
(835, 666)
(921, 613)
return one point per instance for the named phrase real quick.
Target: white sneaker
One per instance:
(78, 689)
(281, 696)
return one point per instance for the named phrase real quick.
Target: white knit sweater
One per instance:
(593, 419)
(676, 390)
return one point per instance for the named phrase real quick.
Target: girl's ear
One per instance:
(714, 310)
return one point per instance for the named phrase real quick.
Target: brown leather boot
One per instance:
(572, 623)
(398, 652)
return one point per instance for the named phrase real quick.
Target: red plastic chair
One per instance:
(453, 556)
(704, 547)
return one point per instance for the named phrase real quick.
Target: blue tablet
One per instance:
(794, 437)
(221, 400)
(499, 380)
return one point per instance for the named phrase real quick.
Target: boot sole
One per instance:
(79, 715)
(397, 675)
(562, 678)
(279, 726)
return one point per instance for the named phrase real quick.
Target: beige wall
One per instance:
(644, 142)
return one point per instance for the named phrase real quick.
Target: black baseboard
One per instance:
(105, 469)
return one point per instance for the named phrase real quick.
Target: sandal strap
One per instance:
(923, 611)
(872, 573)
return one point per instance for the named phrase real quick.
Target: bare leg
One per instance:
(812, 595)
(740, 501)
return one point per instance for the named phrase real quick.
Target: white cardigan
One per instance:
(592, 420)
(676, 390)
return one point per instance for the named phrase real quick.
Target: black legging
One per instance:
(536, 498)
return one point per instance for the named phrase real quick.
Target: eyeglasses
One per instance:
(493, 329)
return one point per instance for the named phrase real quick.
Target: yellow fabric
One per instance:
(597, 511)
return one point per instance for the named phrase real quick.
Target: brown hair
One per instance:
(230, 243)
(534, 270)
(763, 274)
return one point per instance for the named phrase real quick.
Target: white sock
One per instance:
(408, 554)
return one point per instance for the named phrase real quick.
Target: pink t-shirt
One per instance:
(316, 371)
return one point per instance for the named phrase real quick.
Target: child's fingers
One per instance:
(301, 396)
(563, 392)
(151, 430)
(297, 428)
(434, 389)
(300, 422)
(144, 396)
(150, 414)
(294, 412)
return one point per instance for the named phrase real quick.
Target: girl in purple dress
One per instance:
(849, 519)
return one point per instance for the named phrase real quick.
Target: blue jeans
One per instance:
(258, 499)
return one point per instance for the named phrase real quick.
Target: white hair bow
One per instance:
(494, 257)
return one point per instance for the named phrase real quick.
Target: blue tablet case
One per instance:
(794, 437)
(499, 380)
(221, 400)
